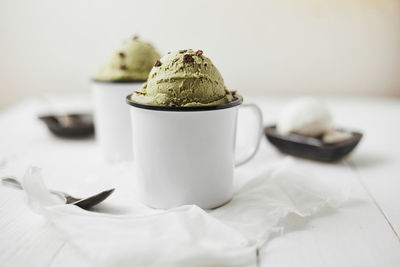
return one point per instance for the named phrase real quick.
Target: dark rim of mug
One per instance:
(236, 102)
(120, 81)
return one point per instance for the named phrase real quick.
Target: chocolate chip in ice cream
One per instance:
(121, 54)
(123, 67)
(188, 58)
(233, 92)
(158, 63)
(199, 52)
(182, 51)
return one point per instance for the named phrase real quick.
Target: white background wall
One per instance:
(272, 46)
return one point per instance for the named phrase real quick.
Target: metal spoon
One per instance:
(84, 203)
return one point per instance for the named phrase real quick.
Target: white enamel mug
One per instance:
(186, 155)
(112, 119)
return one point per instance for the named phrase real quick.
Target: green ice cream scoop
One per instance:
(132, 61)
(183, 78)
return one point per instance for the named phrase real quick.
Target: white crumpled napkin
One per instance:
(188, 235)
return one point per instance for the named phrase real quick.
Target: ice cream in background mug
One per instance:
(126, 70)
(184, 133)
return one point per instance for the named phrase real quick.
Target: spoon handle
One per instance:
(14, 183)
(11, 182)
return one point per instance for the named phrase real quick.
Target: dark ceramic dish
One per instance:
(310, 147)
(70, 125)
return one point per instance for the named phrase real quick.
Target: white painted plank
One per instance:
(25, 238)
(70, 256)
(377, 162)
(356, 235)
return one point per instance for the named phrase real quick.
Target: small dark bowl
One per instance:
(70, 125)
(311, 147)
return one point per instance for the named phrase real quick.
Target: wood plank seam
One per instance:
(353, 166)
(56, 254)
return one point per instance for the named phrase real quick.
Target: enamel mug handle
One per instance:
(252, 149)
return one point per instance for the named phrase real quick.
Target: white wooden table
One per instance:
(364, 232)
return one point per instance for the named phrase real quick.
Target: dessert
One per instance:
(183, 78)
(126, 71)
(305, 129)
(184, 124)
(309, 117)
(131, 61)
(305, 116)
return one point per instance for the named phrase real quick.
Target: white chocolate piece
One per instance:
(333, 136)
